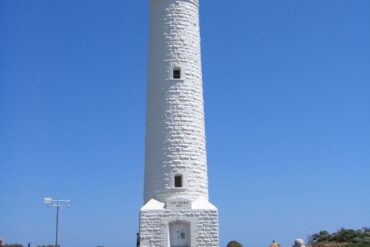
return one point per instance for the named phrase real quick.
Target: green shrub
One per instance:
(234, 244)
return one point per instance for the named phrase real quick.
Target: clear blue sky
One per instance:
(287, 98)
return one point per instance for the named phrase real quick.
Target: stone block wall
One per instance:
(154, 227)
(175, 137)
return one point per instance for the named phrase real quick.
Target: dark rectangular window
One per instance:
(176, 73)
(178, 181)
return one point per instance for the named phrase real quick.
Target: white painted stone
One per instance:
(154, 226)
(202, 203)
(178, 204)
(175, 141)
(175, 137)
(153, 205)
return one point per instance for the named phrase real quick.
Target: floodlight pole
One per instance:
(57, 227)
(58, 204)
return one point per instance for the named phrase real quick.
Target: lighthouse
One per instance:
(176, 210)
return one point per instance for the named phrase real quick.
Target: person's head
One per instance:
(299, 242)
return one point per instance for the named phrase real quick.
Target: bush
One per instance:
(344, 236)
(234, 244)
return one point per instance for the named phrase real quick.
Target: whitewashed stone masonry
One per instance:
(175, 133)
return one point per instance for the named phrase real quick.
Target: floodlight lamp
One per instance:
(48, 200)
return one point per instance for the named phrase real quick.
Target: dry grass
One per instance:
(329, 245)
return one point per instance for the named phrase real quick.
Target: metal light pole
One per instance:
(59, 204)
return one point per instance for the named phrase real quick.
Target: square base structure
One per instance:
(179, 223)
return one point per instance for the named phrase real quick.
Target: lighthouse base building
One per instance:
(179, 223)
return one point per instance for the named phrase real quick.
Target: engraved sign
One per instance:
(178, 204)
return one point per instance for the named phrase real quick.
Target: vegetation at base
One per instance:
(234, 244)
(342, 238)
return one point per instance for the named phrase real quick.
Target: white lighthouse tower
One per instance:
(177, 212)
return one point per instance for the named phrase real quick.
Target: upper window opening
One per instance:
(176, 73)
(178, 181)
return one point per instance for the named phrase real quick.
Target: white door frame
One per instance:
(166, 229)
(180, 234)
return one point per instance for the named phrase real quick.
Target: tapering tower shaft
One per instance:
(176, 211)
(175, 137)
